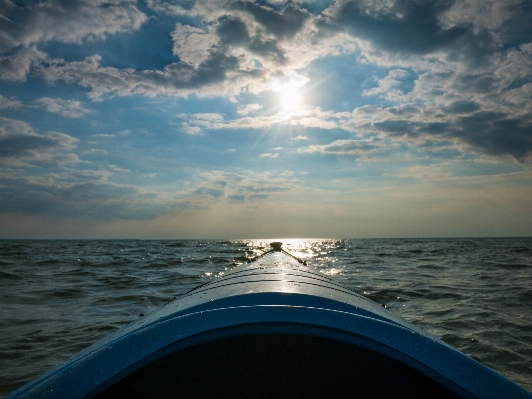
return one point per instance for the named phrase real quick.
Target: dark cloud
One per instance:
(396, 128)
(482, 83)
(176, 77)
(16, 146)
(410, 26)
(258, 196)
(282, 24)
(268, 49)
(19, 141)
(233, 31)
(493, 133)
(461, 107)
(516, 30)
(265, 189)
(99, 200)
(237, 197)
(212, 70)
(497, 134)
(210, 191)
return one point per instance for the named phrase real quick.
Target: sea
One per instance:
(58, 297)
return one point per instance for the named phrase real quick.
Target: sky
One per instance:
(254, 119)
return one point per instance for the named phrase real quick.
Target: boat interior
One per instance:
(275, 366)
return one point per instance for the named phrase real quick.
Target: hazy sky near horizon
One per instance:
(208, 119)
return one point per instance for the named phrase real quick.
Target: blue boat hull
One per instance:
(271, 328)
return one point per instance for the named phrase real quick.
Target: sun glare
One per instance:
(289, 94)
(290, 98)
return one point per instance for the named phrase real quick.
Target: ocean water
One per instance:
(58, 297)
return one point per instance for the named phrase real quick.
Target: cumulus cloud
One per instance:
(219, 186)
(388, 86)
(66, 108)
(193, 45)
(315, 118)
(9, 103)
(410, 27)
(67, 22)
(248, 108)
(82, 193)
(20, 143)
(448, 62)
(494, 133)
(18, 65)
(300, 137)
(285, 23)
(192, 130)
(461, 107)
(178, 79)
(269, 155)
(94, 193)
(343, 147)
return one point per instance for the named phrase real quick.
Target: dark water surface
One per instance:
(58, 297)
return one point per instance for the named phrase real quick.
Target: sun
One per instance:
(289, 94)
(290, 98)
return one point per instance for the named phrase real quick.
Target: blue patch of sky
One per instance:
(269, 4)
(35, 88)
(517, 83)
(408, 83)
(318, 6)
(148, 48)
(197, 105)
(186, 4)
(337, 83)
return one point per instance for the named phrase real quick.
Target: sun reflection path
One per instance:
(300, 248)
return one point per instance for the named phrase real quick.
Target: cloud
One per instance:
(192, 130)
(409, 27)
(193, 45)
(300, 137)
(461, 107)
(89, 195)
(389, 86)
(315, 118)
(343, 147)
(208, 117)
(233, 31)
(219, 185)
(281, 24)
(237, 197)
(313, 121)
(248, 108)
(209, 191)
(94, 193)
(67, 22)
(258, 196)
(429, 51)
(269, 155)
(492, 133)
(496, 134)
(18, 65)
(19, 142)
(179, 79)
(66, 108)
(9, 103)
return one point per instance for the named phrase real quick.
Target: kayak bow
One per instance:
(273, 327)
